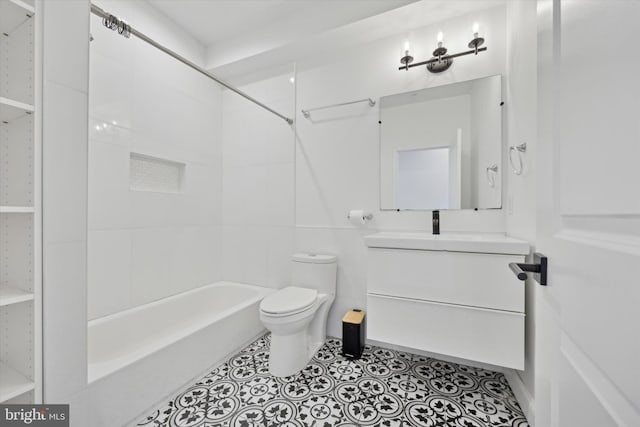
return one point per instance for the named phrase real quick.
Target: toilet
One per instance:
(297, 315)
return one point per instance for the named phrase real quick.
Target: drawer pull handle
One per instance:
(539, 267)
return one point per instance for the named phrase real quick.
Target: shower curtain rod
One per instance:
(112, 22)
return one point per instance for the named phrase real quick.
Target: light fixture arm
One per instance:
(441, 61)
(474, 51)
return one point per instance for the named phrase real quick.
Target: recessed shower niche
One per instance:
(153, 174)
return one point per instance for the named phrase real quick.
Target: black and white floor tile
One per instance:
(383, 388)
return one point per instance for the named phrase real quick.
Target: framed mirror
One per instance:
(441, 147)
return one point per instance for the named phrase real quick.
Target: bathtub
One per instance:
(139, 356)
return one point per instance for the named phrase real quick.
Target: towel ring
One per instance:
(519, 149)
(491, 176)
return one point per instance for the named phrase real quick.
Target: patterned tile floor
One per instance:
(384, 388)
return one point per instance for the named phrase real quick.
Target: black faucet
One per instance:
(435, 222)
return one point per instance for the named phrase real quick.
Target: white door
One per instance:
(588, 160)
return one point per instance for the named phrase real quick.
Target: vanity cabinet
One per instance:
(462, 304)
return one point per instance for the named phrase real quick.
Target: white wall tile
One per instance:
(66, 56)
(65, 163)
(195, 258)
(255, 255)
(279, 207)
(281, 141)
(165, 110)
(258, 186)
(109, 272)
(111, 83)
(245, 195)
(151, 250)
(109, 201)
(202, 188)
(280, 247)
(64, 175)
(233, 254)
(244, 255)
(65, 319)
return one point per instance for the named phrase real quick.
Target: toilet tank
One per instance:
(314, 271)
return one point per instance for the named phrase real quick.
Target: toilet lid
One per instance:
(287, 300)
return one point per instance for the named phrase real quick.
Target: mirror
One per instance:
(441, 147)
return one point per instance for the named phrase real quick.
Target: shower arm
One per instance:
(116, 24)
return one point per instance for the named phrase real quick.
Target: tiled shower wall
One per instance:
(258, 184)
(146, 245)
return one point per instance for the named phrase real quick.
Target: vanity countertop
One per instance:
(495, 243)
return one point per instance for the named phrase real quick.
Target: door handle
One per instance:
(539, 267)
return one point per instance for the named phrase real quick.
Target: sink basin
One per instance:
(494, 243)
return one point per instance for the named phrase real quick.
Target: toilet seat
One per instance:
(289, 301)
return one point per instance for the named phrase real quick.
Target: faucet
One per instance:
(435, 222)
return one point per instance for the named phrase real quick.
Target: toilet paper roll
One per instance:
(357, 217)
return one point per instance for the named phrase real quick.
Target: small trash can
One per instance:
(353, 334)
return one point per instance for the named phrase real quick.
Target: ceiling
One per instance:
(240, 36)
(215, 21)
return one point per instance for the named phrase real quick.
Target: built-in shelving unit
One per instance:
(20, 206)
(11, 110)
(16, 209)
(11, 295)
(13, 383)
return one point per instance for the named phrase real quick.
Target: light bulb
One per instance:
(113, 122)
(292, 80)
(407, 47)
(476, 30)
(440, 37)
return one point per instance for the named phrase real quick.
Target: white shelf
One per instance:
(12, 383)
(16, 209)
(11, 109)
(10, 295)
(13, 14)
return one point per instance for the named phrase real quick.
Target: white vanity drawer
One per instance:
(473, 279)
(489, 336)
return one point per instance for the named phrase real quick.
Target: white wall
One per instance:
(151, 112)
(64, 175)
(521, 103)
(258, 184)
(143, 245)
(337, 158)
(271, 211)
(486, 122)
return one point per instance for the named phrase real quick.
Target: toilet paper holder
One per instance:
(360, 215)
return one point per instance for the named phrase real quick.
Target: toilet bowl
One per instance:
(296, 316)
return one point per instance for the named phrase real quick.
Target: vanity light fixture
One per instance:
(440, 60)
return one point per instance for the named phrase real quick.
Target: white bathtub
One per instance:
(139, 356)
